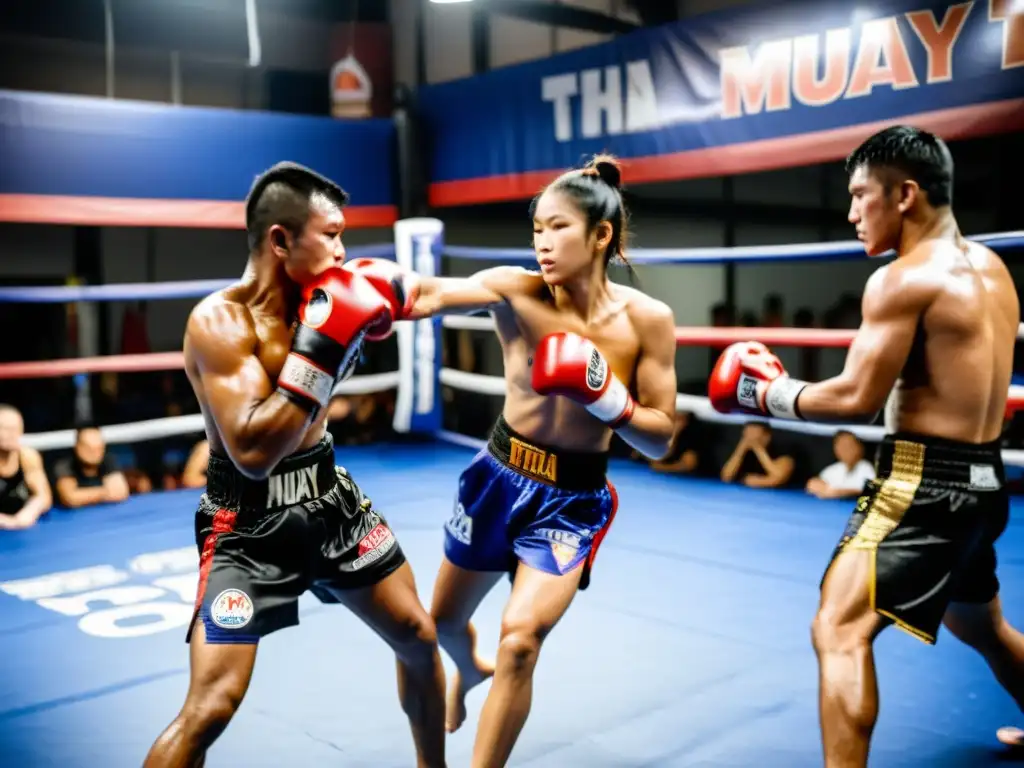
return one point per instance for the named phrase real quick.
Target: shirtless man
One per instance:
(278, 517)
(583, 358)
(939, 326)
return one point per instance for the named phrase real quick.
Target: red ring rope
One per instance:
(780, 337)
(685, 336)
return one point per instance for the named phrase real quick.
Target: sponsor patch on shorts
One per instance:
(374, 545)
(231, 609)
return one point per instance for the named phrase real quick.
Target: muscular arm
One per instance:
(484, 290)
(651, 429)
(892, 305)
(257, 425)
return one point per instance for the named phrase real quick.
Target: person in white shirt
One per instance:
(845, 478)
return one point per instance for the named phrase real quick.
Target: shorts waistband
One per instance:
(917, 457)
(570, 470)
(297, 478)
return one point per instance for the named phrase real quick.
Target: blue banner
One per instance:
(793, 83)
(69, 159)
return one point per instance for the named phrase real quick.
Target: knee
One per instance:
(519, 647)
(207, 713)
(831, 634)
(415, 642)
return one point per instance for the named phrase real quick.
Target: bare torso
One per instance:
(267, 337)
(956, 378)
(528, 316)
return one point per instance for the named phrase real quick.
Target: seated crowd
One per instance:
(92, 473)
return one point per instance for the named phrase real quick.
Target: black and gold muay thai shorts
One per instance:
(264, 543)
(930, 520)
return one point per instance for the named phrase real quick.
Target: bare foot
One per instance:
(460, 685)
(1010, 736)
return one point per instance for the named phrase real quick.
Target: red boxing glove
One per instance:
(569, 365)
(338, 309)
(399, 287)
(748, 378)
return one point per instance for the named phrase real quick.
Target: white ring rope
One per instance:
(486, 323)
(701, 409)
(173, 426)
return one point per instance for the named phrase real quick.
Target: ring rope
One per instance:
(710, 336)
(186, 289)
(181, 289)
(172, 426)
(685, 336)
(800, 252)
(701, 409)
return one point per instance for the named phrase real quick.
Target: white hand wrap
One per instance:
(613, 402)
(300, 377)
(780, 398)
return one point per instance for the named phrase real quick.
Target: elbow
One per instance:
(862, 403)
(660, 450)
(784, 467)
(254, 464)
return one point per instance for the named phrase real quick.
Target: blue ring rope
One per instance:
(189, 289)
(846, 249)
(184, 289)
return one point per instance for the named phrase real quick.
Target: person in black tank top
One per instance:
(24, 489)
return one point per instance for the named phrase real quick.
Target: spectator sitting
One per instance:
(89, 476)
(24, 490)
(138, 481)
(845, 478)
(682, 456)
(755, 463)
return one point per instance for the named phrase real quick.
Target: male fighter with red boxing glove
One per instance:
(748, 378)
(263, 356)
(584, 359)
(939, 327)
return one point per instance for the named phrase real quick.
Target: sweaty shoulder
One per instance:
(910, 282)
(220, 328)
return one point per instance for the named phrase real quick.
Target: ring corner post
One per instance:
(419, 245)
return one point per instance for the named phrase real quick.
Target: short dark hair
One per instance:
(846, 432)
(281, 195)
(917, 154)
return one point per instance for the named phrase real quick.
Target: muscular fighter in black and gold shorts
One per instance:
(938, 333)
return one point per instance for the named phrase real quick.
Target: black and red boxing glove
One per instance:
(748, 378)
(568, 365)
(338, 309)
(399, 286)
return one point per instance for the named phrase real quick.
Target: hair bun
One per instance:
(608, 168)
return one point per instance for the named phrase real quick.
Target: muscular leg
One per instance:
(983, 627)
(393, 610)
(219, 679)
(843, 632)
(457, 594)
(538, 602)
